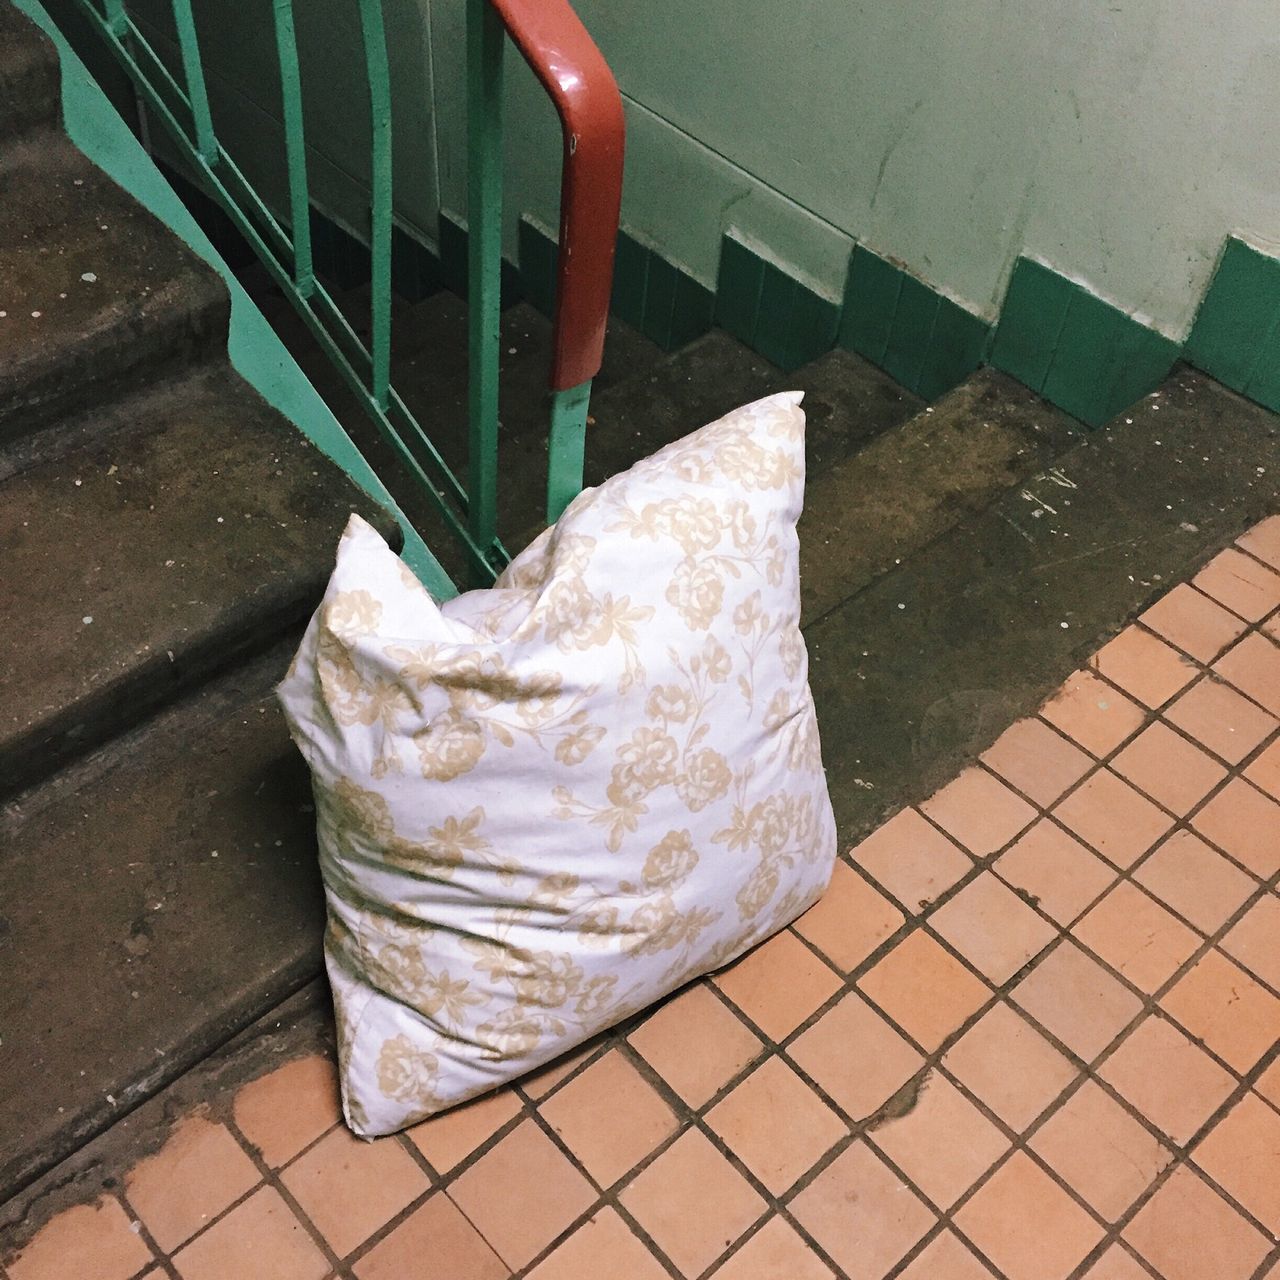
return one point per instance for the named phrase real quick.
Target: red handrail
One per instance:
(574, 73)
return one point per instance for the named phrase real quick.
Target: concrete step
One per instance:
(192, 525)
(97, 293)
(29, 81)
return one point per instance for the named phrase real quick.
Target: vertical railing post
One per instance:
(295, 147)
(484, 263)
(193, 72)
(566, 452)
(375, 52)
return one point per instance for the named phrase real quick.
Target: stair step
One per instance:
(97, 293)
(195, 524)
(29, 81)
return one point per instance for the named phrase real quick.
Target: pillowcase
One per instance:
(543, 806)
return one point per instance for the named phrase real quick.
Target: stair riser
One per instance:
(29, 98)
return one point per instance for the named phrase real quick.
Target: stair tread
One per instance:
(29, 80)
(194, 522)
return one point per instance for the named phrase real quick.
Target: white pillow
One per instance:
(543, 806)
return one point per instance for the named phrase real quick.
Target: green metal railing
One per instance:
(577, 79)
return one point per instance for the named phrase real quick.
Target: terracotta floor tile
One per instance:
(95, 1240)
(1108, 814)
(856, 1056)
(1037, 760)
(1007, 1063)
(453, 1135)
(1195, 880)
(1264, 772)
(1196, 624)
(1171, 1081)
(776, 1125)
(528, 1169)
(1218, 717)
(1253, 666)
(1100, 1150)
(289, 1109)
(1137, 937)
(946, 1258)
(1246, 824)
(944, 1144)
(434, 1243)
(988, 924)
(1117, 1264)
(859, 1211)
(926, 991)
(693, 1202)
(912, 859)
(1242, 1155)
(1075, 999)
(1090, 712)
(540, 1083)
(1026, 1224)
(851, 920)
(776, 1252)
(1221, 1005)
(350, 1188)
(1268, 1083)
(979, 811)
(695, 1044)
(1056, 870)
(1271, 627)
(1241, 583)
(260, 1237)
(1145, 668)
(1263, 541)
(1168, 768)
(610, 1117)
(1255, 941)
(602, 1246)
(779, 984)
(1189, 1232)
(198, 1172)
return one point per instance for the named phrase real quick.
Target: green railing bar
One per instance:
(567, 447)
(295, 147)
(116, 17)
(193, 71)
(375, 56)
(485, 38)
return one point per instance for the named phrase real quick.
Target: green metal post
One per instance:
(567, 447)
(193, 71)
(116, 20)
(295, 147)
(375, 56)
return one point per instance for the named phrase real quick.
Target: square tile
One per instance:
(1117, 1264)
(944, 1144)
(434, 1243)
(692, 1202)
(1253, 666)
(1222, 1006)
(1037, 760)
(850, 921)
(1242, 1155)
(1268, 1083)
(1243, 822)
(912, 859)
(777, 1250)
(1195, 880)
(776, 1125)
(528, 1169)
(1109, 815)
(1218, 717)
(448, 1138)
(926, 991)
(1255, 940)
(1197, 625)
(1145, 668)
(1168, 768)
(856, 1057)
(1092, 713)
(90, 1240)
(946, 1258)
(979, 811)
(1241, 583)
(261, 1237)
(1026, 1224)
(541, 1083)
(1264, 772)
(200, 1170)
(1263, 541)
(696, 1044)
(602, 1246)
(1006, 1062)
(861, 1213)
(1075, 999)
(988, 924)
(1189, 1232)
(1137, 937)
(1100, 1150)
(779, 984)
(289, 1109)
(1171, 1081)
(1055, 870)
(350, 1188)
(610, 1117)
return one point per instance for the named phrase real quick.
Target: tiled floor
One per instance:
(1031, 1032)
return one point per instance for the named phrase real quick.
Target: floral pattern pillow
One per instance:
(543, 806)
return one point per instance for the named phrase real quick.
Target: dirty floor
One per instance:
(1030, 1032)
